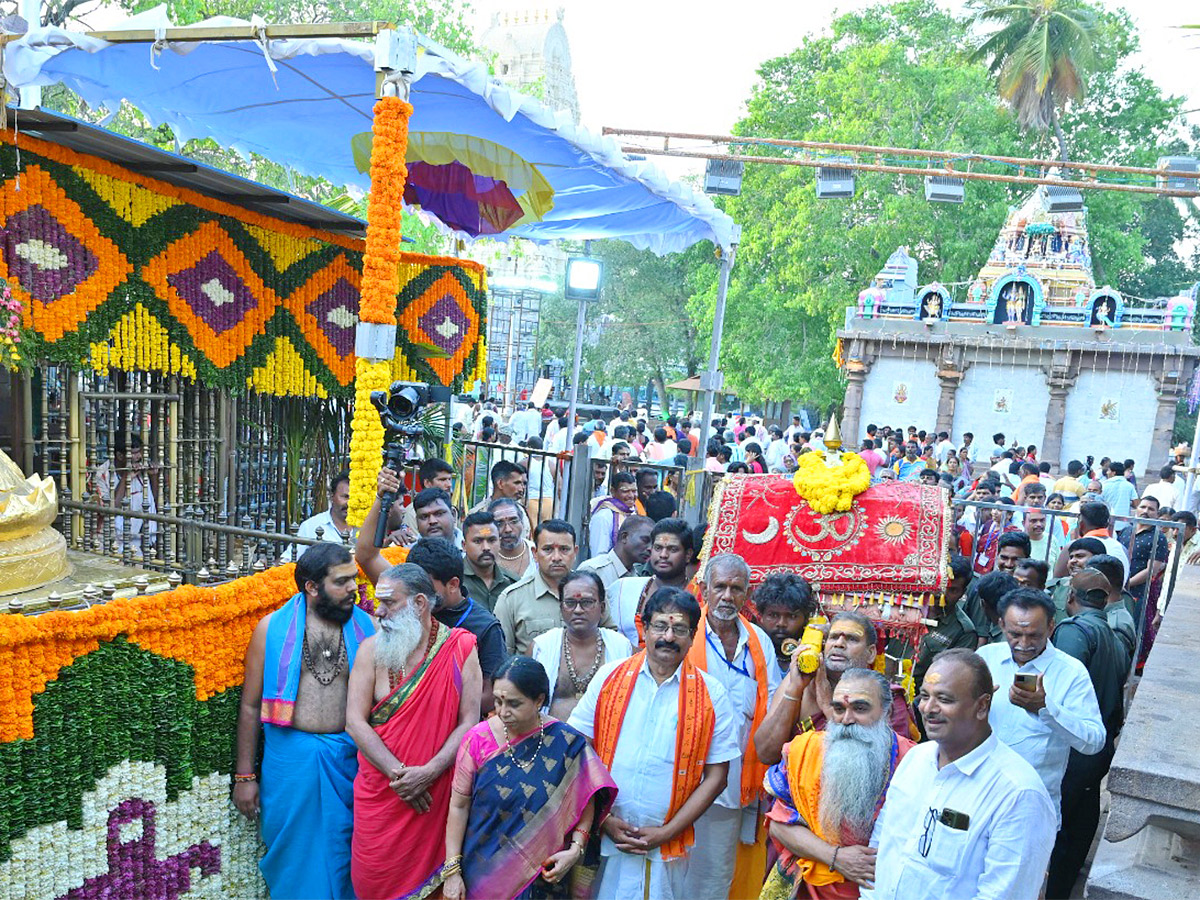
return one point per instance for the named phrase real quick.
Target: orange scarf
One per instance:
(753, 771)
(693, 734)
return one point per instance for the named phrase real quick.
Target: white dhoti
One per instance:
(711, 859)
(623, 877)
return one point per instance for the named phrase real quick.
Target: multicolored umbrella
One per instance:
(472, 185)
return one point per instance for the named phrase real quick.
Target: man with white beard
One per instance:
(414, 692)
(828, 789)
(740, 656)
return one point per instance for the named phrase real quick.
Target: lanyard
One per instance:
(466, 612)
(721, 656)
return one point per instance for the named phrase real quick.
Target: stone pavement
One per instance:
(1151, 837)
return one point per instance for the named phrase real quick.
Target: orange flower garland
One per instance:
(388, 176)
(127, 315)
(366, 441)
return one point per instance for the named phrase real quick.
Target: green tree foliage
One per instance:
(1041, 52)
(900, 75)
(639, 331)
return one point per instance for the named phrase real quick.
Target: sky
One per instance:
(686, 66)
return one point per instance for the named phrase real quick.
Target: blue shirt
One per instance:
(1118, 495)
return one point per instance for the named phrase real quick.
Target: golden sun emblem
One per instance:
(893, 529)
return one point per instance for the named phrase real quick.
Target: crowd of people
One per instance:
(519, 713)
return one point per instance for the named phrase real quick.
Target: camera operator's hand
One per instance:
(388, 481)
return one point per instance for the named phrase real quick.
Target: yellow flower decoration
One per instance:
(366, 442)
(827, 489)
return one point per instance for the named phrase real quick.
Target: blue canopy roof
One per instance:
(301, 102)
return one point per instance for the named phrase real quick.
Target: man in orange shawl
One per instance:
(414, 692)
(666, 732)
(741, 657)
(828, 790)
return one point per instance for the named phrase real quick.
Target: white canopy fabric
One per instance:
(301, 102)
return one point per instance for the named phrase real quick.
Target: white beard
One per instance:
(855, 766)
(398, 637)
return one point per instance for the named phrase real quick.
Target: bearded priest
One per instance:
(414, 692)
(828, 789)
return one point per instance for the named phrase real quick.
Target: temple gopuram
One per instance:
(1032, 340)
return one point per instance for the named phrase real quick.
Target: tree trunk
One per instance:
(660, 386)
(1058, 133)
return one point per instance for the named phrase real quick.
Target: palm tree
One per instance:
(1041, 52)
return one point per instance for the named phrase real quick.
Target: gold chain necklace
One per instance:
(582, 683)
(526, 765)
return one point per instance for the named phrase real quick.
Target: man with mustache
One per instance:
(1054, 714)
(483, 580)
(785, 604)
(670, 553)
(414, 692)
(297, 670)
(666, 732)
(964, 815)
(737, 653)
(456, 608)
(515, 554)
(829, 787)
(803, 702)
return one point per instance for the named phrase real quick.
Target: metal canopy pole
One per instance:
(712, 381)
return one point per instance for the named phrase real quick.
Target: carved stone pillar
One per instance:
(1172, 379)
(858, 364)
(1060, 378)
(951, 369)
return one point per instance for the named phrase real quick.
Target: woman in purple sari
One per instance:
(527, 793)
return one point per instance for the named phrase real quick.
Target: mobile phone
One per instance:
(952, 818)
(1026, 681)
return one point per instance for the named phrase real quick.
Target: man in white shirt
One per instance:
(965, 816)
(632, 547)
(664, 783)
(525, 423)
(331, 522)
(971, 447)
(1045, 704)
(776, 450)
(944, 448)
(1168, 490)
(739, 655)
(670, 553)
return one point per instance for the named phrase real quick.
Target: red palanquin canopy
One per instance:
(889, 550)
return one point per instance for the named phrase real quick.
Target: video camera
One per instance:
(399, 412)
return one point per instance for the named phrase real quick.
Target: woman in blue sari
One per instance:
(527, 791)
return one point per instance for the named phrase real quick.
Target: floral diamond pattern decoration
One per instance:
(210, 287)
(59, 261)
(442, 315)
(326, 308)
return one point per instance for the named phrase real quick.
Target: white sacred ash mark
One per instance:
(217, 293)
(42, 254)
(341, 317)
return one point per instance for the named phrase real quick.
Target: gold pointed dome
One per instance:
(833, 436)
(27, 505)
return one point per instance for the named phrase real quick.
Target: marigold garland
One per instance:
(119, 316)
(388, 177)
(828, 489)
(366, 441)
(130, 706)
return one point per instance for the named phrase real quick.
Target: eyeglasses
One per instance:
(926, 841)
(661, 628)
(584, 603)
